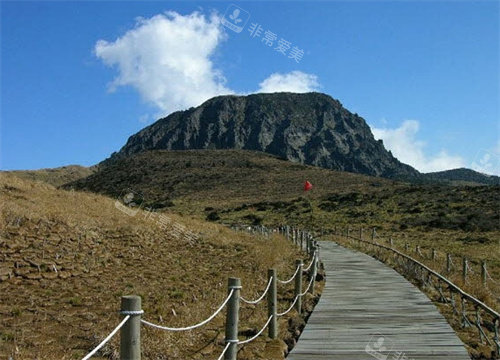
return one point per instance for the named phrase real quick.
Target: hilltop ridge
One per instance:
(310, 128)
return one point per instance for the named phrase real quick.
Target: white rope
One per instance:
(469, 268)
(291, 279)
(261, 297)
(297, 297)
(107, 338)
(193, 326)
(312, 262)
(224, 351)
(452, 263)
(290, 308)
(489, 276)
(310, 282)
(258, 334)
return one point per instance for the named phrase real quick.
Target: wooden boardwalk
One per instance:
(365, 301)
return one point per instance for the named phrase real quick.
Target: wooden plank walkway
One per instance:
(364, 301)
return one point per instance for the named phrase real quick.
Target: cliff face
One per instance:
(310, 128)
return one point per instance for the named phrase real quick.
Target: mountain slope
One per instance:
(462, 176)
(67, 257)
(310, 128)
(55, 176)
(215, 177)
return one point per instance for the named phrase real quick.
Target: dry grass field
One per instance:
(56, 176)
(234, 187)
(67, 257)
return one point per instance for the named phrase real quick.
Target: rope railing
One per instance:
(308, 287)
(284, 282)
(260, 298)
(111, 334)
(439, 276)
(187, 328)
(466, 269)
(310, 264)
(258, 334)
(453, 288)
(224, 351)
(291, 306)
(130, 348)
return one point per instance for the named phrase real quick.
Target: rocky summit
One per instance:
(310, 128)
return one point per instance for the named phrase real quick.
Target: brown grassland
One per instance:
(67, 257)
(243, 187)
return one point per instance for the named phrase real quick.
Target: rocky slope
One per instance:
(310, 128)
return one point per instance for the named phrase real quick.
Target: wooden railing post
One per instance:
(464, 269)
(360, 233)
(483, 272)
(130, 333)
(232, 318)
(448, 263)
(313, 270)
(272, 304)
(478, 324)
(497, 336)
(298, 286)
(464, 312)
(433, 254)
(373, 234)
(391, 243)
(347, 233)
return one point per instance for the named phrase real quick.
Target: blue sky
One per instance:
(78, 78)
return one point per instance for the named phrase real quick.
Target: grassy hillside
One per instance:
(223, 186)
(462, 176)
(191, 180)
(56, 176)
(462, 221)
(249, 187)
(67, 257)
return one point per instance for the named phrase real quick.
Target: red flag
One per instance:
(307, 186)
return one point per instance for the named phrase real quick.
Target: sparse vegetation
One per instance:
(93, 253)
(229, 187)
(56, 176)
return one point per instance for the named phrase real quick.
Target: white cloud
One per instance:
(145, 118)
(487, 161)
(405, 146)
(295, 81)
(167, 59)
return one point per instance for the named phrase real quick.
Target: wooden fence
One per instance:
(480, 309)
(131, 307)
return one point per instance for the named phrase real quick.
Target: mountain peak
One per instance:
(309, 128)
